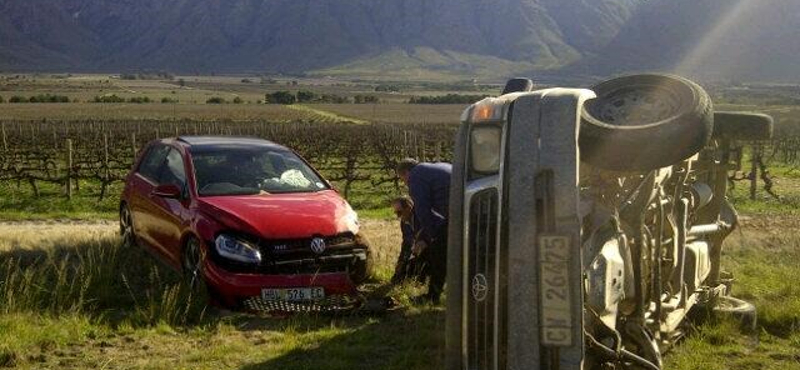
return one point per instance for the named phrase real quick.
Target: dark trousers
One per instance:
(435, 257)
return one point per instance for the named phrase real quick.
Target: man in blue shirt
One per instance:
(429, 187)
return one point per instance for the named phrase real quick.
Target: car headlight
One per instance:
(485, 149)
(236, 249)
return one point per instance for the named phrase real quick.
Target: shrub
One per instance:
(335, 99)
(168, 101)
(139, 100)
(2, 99)
(113, 98)
(281, 97)
(366, 99)
(47, 98)
(238, 100)
(387, 88)
(216, 100)
(305, 96)
(17, 99)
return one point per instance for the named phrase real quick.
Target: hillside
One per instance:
(745, 39)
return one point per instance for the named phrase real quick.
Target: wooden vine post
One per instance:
(68, 182)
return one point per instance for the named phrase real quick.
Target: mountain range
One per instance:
(718, 39)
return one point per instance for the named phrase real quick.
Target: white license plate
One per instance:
(293, 294)
(554, 256)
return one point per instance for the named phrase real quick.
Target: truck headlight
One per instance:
(485, 149)
(236, 249)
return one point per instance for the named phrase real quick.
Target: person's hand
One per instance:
(419, 246)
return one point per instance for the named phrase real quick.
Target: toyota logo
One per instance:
(479, 287)
(318, 245)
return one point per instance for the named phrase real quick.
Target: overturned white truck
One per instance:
(585, 224)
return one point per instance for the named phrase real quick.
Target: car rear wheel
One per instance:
(644, 122)
(126, 232)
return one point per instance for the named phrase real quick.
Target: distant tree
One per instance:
(113, 98)
(281, 97)
(247, 81)
(139, 100)
(216, 100)
(387, 88)
(181, 82)
(304, 96)
(238, 100)
(2, 99)
(168, 101)
(17, 99)
(334, 99)
(365, 99)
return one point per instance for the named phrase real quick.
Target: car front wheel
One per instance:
(126, 231)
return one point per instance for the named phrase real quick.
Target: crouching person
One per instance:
(407, 266)
(429, 187)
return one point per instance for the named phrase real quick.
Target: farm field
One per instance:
(71, 298)
(396, 113)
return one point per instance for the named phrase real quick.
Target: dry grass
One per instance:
(397, 113)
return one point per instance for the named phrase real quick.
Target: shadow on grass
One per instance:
(100, 279)
(400, 340)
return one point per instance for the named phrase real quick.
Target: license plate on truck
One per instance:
(554, 255)
(293, 294)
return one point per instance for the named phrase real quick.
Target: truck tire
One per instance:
(742, 311)
(742, 126)
(644, 122)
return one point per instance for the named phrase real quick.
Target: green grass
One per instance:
(18, 202)
(764, 261)
(74, 298)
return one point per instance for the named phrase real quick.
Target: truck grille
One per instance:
(483, 255)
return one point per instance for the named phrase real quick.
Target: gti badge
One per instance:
(318, 245)
(479, 287)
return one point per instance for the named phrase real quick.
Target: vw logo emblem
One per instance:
(480, 287)
(318, 245)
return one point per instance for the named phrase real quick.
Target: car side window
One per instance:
(152, 161)
(172, 170)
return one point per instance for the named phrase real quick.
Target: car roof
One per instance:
(210, 142)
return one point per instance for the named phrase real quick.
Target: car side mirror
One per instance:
(167, 191)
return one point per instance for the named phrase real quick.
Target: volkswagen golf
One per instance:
(247, 219)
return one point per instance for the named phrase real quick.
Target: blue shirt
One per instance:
(429, 187)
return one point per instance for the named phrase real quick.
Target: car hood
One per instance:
(283, 216)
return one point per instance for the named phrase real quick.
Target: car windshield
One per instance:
(240, 170)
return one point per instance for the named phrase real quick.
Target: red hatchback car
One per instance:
(248, 219)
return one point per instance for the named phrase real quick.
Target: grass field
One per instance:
(132, 321)
(138, 322)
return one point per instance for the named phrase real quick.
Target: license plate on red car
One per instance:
(293, 294)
